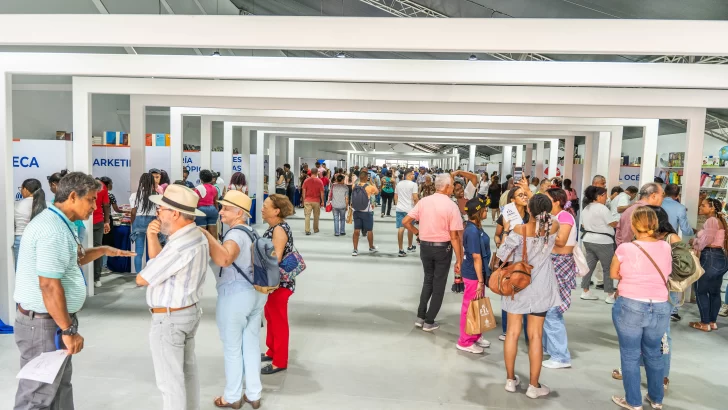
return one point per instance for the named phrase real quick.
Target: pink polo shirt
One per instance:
(624, 232)
(438, 216)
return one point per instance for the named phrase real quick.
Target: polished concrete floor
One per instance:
(354, 346)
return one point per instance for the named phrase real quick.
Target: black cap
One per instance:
(475, 205)
(154, 171)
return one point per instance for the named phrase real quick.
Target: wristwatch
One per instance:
(70, 331)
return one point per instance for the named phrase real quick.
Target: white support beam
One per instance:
(176, 148)
(569, 157)
(528, 164)
(7, 194)
(545, 36)
(103, 10)
(519, 155)
(292, 156)
(245, 153)
(601, 155)
(137, 141)
(649, 152)
(540, 158)
(553, 157)
(272, 141)
(227, 136)
(471, 158)
(82, 161)
(615, 157)
(205, 142)
(507, 161)
(259, 170)
(587, 174)
(694, 141)
(169, 11)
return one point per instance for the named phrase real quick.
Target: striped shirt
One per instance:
(48, 248)
(177, 274)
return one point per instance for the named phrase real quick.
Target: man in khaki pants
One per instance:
(313, 200)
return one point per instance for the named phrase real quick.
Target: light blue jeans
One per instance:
(555, 341)
(239, 312)
(675, 299)
(640, 327)
(16, 250)
(339, 221)
(139, 236)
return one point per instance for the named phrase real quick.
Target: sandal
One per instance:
(269, 369)
(617, 374)
(255, 403)
(713, 326)
(219, 402)
(622, 402)
(700, 326)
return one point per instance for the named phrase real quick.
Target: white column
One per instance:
(7, 194)
(569, 157)
(137, 141)
(176, 146)
(540, 153)
(471, 158)
(615, 157)
(260, 157)
(227, 147)
(457, 158)
(507, 161)
(600, 165)
(205, 142)
(553, 158)
(528, 163)
(519, 155)
(272, 140)
(587, 175)
(292, 157)
(245, 152)
(690, 190)
(649, 154)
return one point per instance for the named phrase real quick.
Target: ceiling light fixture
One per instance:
(473, 57)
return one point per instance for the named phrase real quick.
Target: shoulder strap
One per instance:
(524, 256)
(653, 262)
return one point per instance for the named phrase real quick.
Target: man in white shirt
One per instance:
(534, 185)
(623, 200)
(405, 198)
(174, 277)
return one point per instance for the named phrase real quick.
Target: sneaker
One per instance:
(675, 317)
(553, 364)
(402, 253)
(656, 406)
(588, 296)
(536, 392)
(419, 322)
(600, 286)
(336, 234)
(374, 249)
(355, 253)
(723, 310)
(609, 299)
(512, 385)
(382, 216)
(502, 337)
(622, 402)
(483, 343)
(342, 234)
(411, 248)
(429, 327)
(97, 284)
(474, 348)
(308, 233)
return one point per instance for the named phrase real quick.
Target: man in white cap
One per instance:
(174, 277)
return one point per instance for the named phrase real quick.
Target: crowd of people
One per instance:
(632, 233)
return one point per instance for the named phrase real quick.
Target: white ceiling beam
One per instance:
(169, 11)
(103, 10)
(579, 36)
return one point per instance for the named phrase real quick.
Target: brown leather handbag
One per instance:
(507, 280)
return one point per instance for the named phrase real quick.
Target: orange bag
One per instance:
(513, 278)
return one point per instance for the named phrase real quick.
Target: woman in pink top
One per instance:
(711, 243)
(207, 203)
(641, 313)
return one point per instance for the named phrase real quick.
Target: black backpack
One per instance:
(359, 198)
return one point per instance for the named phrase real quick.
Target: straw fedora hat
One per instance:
(180, 198)
(238, 200)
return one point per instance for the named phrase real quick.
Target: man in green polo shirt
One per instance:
(50, 288)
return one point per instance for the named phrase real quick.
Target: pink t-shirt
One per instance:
(438, 216)
(640, 279)
(566, 218)
(209, 198)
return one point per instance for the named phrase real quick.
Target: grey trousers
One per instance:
(602, 253)
(33, 337)
(172, 341)
(98, 241)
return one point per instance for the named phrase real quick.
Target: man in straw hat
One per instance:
(174, 277)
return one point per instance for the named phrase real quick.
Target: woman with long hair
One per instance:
(143, 212)
(476, 257)
(26, 209)
(535, 300)
(276, 208)
(598, 238)
(157, 176)
(208, 202)
(555, 340)
(339, 199)
(238, 183)
(163, 182)
(388, 186)
(711, 242)
(641, 313)
(280, 181)
(53, 181)
(494, 194)
(571, 196)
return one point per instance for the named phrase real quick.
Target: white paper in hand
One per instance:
(510, 214)
(45, 367)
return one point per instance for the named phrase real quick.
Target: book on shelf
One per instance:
(718, 181)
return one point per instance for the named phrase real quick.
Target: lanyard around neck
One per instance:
(75, 238)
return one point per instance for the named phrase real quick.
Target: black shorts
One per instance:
(541, 314)
(363, 221)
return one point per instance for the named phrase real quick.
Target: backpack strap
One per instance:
(252, 235)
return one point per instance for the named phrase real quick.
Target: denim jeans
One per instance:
(707, 288)
(16, 250)
(675, 299)
(555, 341)
(339, 220)
(640, 327)
(239, 313)
(139, 236)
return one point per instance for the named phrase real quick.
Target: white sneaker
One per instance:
(723, 310)
(552, 364)
(375, 249)
(474, 348)
(97, 284)
(536, 392)
(609, 300)
(588, 296)
(512, 385)
(483, 343)
(502, 337)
